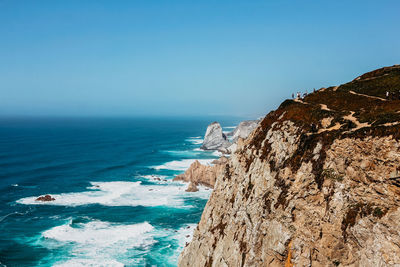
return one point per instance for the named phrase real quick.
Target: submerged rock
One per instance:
(45, 198)
(214, 138)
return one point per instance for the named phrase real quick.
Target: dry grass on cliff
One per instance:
(350, 115)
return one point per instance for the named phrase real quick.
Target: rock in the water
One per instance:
(214, 138)
(199, 174)
(45, 198)
(192, 187)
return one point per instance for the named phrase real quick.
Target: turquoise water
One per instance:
(115, 202)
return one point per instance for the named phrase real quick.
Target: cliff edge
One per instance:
(316, 184)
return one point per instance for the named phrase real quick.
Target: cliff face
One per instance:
(316, 184)
(244, 129)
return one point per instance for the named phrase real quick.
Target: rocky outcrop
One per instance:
(243, 130)
(192, 187)
(45, 198)
(199, 174)
(316, 184)
(214, 138)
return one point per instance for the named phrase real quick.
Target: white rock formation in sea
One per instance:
(214, 138)
(244, 129)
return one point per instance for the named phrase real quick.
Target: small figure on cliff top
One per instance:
(292, 95)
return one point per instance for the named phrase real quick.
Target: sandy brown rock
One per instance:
(192, 188)
(199, 174)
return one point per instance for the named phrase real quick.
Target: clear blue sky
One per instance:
(135, 58)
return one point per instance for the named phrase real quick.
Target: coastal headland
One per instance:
(316, 183)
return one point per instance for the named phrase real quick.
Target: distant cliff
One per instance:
(215, 139)
(316, 184)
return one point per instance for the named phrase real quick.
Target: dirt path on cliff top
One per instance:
(353, 119)
(370, 96)
(349, 117)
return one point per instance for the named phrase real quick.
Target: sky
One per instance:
(184, 58)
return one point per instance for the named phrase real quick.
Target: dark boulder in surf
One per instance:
(45, 198)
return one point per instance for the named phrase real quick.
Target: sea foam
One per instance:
(197, 140)
(98, 243)
(123, 194)
(183, 153)
(181, 165)
(217, 154)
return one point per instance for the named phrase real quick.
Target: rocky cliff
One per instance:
(244, 129)
(316, 184)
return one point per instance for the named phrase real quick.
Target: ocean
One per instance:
(115, 201)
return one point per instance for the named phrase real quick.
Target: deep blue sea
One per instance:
(116, 204)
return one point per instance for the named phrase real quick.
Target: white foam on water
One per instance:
(89, 263)
(217, 154)
(181, 165)
(98, 233)
(183, 153)
(158, 179)
(153, 176)
(185, 235)
(195, 140)
(99, 243)
(229, 127)
(123, 194)
(180, 237)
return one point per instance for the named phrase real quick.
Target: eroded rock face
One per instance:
(214, 138)
(293, 197)
(199, 174)
(244, 129)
